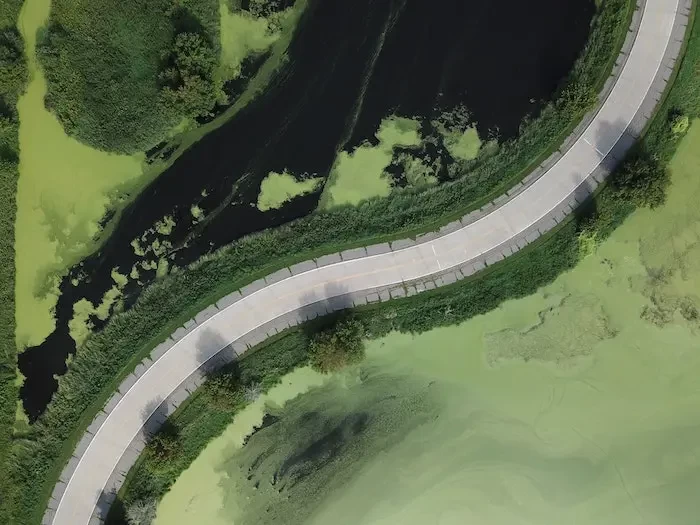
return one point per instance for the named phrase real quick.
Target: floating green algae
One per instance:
(279, 188)
(574, 404)
(64, 190)
(359, 175)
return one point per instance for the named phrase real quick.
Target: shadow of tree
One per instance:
(324, 308)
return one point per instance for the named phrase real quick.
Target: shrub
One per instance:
(680, 124)
(337, 347)
(642, 181)
(165, 444)
(142, 512)
(225, 391)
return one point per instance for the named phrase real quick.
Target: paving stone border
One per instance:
(219, 358)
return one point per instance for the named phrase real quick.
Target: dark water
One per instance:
(351, 64)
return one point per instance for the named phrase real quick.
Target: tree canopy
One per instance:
(642, 181)
(338, 347)
(191, 86)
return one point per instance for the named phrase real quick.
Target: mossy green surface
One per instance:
(359, 175)
(278, 188)
(64, 190)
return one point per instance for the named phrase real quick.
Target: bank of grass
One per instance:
(12, 80)
(108, 356)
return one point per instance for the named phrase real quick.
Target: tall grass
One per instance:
(12, 79)
(109, 355)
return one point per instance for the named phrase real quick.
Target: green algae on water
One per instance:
(279, 188)
(359, 175)
(241, 35)
(571, 404)
(64, 190)
(202, 486)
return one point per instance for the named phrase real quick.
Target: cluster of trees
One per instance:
(102, 60)
(191, 85)
(338, 346)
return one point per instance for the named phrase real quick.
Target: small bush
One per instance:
(642, 181)
(680, 124)
(225, 391)
(142, 512)
(165, 444)
(335, 348)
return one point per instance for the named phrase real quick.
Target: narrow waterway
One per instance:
(577, 404)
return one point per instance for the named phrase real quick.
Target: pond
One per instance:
(350, 66)
(576, 404)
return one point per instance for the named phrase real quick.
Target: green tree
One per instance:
(225, 391)
(338, 347)
(190, 84)
(642, 181)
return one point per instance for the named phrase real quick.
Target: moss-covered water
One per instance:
(64, 190)
(578, 404)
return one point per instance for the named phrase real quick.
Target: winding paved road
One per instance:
(175, 368)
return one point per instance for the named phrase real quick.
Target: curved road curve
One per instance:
(288, 297)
